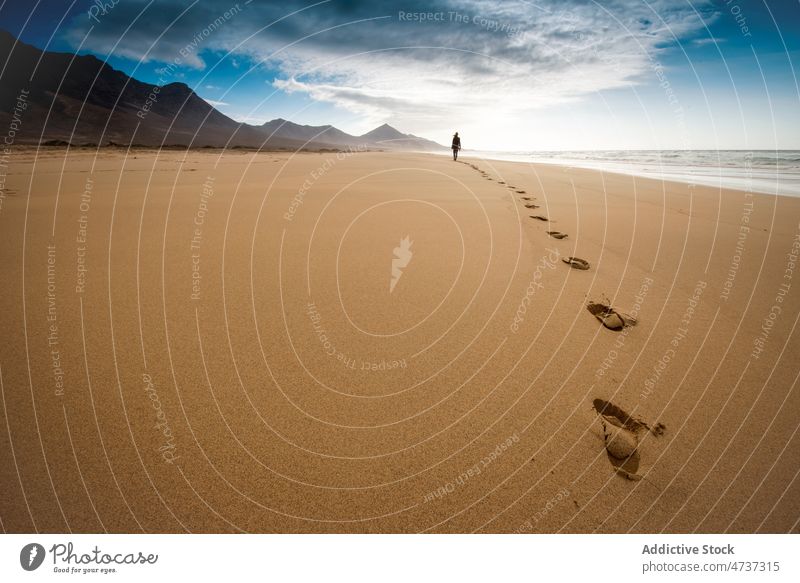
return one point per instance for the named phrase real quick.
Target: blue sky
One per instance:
(509, 75)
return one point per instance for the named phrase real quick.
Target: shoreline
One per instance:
(741, 178)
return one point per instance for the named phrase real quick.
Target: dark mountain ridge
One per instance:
(79, 99)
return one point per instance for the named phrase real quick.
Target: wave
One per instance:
(732, 158)
(768, 171)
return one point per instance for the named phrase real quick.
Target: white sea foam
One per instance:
(767, 171)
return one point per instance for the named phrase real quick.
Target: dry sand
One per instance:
(288, 390)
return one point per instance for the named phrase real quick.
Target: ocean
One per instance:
(768, 171)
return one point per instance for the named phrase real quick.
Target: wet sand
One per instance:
(379, 342)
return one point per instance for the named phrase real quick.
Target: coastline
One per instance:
(741, 175)
(199, 269)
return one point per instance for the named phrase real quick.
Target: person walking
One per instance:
(456, 146)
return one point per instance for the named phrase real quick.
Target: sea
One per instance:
(774, 172)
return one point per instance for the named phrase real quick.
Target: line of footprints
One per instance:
(574, 262)
(608, 316)
(622, 433)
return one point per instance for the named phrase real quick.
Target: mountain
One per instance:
(81, 100)
(327, 133)
(386, 135)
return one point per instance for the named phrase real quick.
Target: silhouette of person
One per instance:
(456, 146)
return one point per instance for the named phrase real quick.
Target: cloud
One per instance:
(214, 102)
(421, 62)
(167, 31)
(700, 42)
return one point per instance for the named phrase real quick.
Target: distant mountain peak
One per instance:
(385, 132)
(279, 121)
(178, 86)
(387, 136)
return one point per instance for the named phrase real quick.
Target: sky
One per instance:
(509, 75)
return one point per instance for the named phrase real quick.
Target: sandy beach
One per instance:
(230, 341)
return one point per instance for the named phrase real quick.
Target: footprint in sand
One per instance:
(519, 191)
(557, 235)
(622, 434)
(610, 318)
(539, 218)
(530, 205)
(576, 263)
